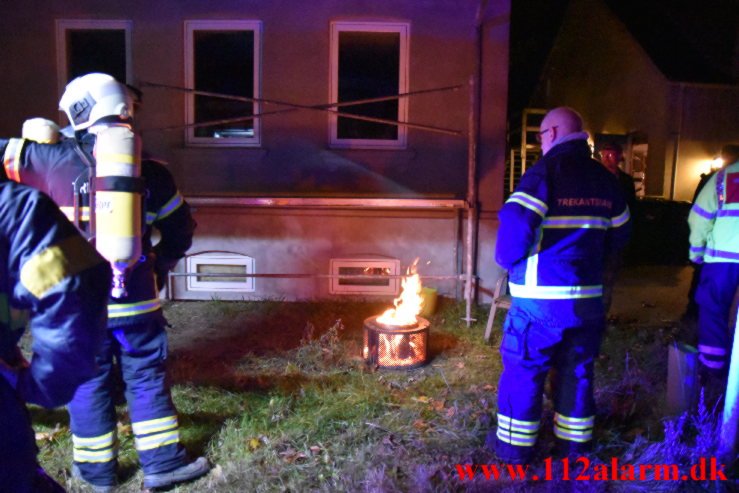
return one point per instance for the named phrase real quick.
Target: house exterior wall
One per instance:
(294, 158)
(705, 120)
(598, 68)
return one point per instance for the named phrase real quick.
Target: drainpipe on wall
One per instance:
(472, 141)
(676, 145)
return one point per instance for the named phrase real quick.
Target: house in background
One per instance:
(660, 77)
(299, 190)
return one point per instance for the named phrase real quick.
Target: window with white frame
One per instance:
(369, 60)
(90, 45)
(223, 57)
(352, 267)
(221, 272)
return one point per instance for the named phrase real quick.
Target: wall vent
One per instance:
(364, 265)
(220, 263)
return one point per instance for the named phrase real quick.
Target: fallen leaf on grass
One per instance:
(451, 412)
(50, 435)
(490, 387)
(437, 405)
(423, 399)
(460, 365)
(291, 455)
(124, 429)
(421, 425)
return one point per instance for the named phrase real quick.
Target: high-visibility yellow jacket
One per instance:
(714, 218)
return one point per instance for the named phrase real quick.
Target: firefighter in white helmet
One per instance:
(136, 338)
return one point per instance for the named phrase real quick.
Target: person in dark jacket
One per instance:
(48, 269)
(611, 155)
(136, 338)
(566, 215)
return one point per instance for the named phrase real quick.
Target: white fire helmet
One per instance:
(89, 98)
(40, 130)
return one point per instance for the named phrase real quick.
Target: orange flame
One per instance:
(408, 304)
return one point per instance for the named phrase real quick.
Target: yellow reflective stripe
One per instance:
(576, 222)
(131, 309)
(572, 436)
(508, 420)
(525, 441)
(94, 455)
(158, 440)
(98, 442)
(115, 157)
(572, 422)
(69, 212)
(555, 292)
(621, 219)
(12, 159)
(172, 205)
(532, 262)
(154, 425)
(529, 202)
(55, 263)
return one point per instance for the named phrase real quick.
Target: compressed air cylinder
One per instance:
(118, 196)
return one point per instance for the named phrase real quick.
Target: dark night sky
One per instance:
(690, 40)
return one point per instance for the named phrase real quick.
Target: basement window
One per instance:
(364, 266)
(222, 264)
(89, 45)
(369, 60)
(223, 57)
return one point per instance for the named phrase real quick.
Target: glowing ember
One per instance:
(408, 304)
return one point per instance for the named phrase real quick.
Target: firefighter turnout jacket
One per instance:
(62, 170)
(137, 338)
(48, 269)
(565, 216)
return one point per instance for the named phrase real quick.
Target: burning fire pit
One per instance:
(398, 338)
(393, 346)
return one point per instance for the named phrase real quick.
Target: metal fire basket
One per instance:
(396, 347)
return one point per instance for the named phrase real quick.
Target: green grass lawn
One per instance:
(277, 396)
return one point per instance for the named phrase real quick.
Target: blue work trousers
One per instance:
(529, 351)
(714, 295)
(140, 350)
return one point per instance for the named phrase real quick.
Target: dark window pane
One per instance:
(224, 63)
(369, 67)
(96, 50)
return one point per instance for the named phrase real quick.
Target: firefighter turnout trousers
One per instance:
(140, 350)
(529, 350)
(715, 294)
